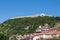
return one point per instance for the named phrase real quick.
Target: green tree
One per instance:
(58, 38)
(3, 37)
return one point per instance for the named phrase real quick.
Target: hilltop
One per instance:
(32, 16)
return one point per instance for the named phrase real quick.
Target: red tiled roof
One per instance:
(54, 32)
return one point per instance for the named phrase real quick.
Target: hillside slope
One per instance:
(26, 25)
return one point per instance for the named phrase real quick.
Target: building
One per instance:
(45, 32)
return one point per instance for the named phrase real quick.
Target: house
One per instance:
(45, 32)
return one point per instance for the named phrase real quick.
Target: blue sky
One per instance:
(13, 8)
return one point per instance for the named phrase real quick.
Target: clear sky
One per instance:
(13, 8)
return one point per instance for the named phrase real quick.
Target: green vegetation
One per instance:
(18, 25)
(58, 38)
(3, 37)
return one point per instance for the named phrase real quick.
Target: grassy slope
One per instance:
(18, 25)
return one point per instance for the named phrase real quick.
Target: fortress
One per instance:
(33, 16)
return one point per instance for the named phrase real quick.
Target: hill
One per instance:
(26, 25)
